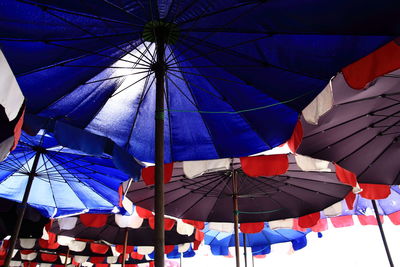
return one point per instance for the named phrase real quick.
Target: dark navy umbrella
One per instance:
(221, 78)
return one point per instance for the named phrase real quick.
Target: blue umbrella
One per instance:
(260, 243)
(59, 181)
(222, 78)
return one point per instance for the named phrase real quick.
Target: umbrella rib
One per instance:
(183, 94)
(125, 11)
(167, 97)
(115, 77)
(127, 87)
(226, 99)
(204, 121)
(66, 39)
(219, 195)
(211, 34)
(146, 89)
(186, 8)
(90, 33)
(371, 98)
(51, 186)
(228, 50)
(44, 6)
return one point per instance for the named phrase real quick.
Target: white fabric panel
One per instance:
(131, 221)
(334, 210)
(45, 235)
(183, 247)
(357, 189)
(5, 147)
(77, 246)
(275, 151)
(320, 105)
(11, 97)
(111, 260)
(27, 243)
(198, 167)
(279, 224)
(46, 265)
(145, 250)
(221, 227)
(14, 252)
(87, 264)
(116, 265)
(310, 164)
(67, 223)
(64, 240)
(184, 228)
(29, 257)
(63, 258)
(127, 204)
(114, 251)
(81, 259)
(17, 263)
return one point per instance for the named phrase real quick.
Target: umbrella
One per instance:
(63, 181)
(119, 230)
(229, 70)
(209, 196)
(260, 243)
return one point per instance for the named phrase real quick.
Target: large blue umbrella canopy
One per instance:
(237, 72)
(260, 243)
(66, 181)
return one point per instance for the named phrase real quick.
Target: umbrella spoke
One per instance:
(130, 85)
(124, 11)
(116, 77)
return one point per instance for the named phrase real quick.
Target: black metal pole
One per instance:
(236, 218)
(24, 204)
(245, 249)
(159, 69)
(66, 258)
(252, 258)
(382, 233)
(125, 245)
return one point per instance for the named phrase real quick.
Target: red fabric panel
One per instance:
(98, 248)
(120, 248)
(251, 228)
(26, 251)
(199, 235)
(102, 265)
(168, 249)
(196, 224)
(30, 264)
(375, 191)
(1, 262)
(395, 217)
(345, 176)
(130, 265)
(52, 238)
(149, 176)
(151, 264)
(369, 219)
(93, 220)
(5, 244)
(269, 165)
(48, 257)
(17, 130)
(137, 256)
(308, 221)
(382, 61)
(97, 260)
(322, 225)
(296, 138)
(342, 221)
(297, 227)
(3, 252)
(168, 223)
(196, 244)
(143, 213)
(350, 198)
(46, 244)
(259, 256)
(121, 195)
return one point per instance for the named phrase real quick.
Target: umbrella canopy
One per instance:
(236, 73)
(260, 243)
(65, 181)
(361, 131)
(112, 233)
(208, 197)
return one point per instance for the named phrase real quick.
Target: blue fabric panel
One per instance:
(299, 243)
(219, 250)
(260, 250)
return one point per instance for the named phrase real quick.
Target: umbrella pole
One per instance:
(125, 245)
(180, 260)
(382, 232)
(252, 259)
(245, 250)
(23, 206)
(236, 218)
(159, 70)
(66, 258)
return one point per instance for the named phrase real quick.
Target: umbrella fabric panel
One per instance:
(87, 43)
